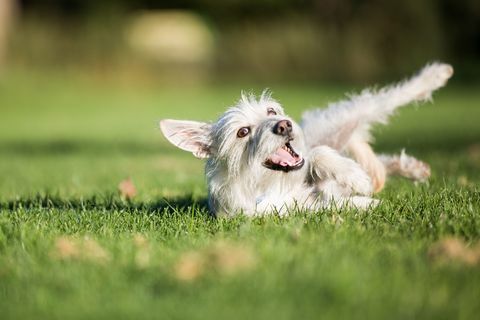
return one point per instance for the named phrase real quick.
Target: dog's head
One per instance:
(252, 135)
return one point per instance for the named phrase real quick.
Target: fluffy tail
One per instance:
(337, 124)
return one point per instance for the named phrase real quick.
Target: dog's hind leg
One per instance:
(379, 167)
(405, 166)
(369, 161)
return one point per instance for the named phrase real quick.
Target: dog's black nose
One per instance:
(283, 127)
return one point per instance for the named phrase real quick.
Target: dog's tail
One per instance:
(345, 125)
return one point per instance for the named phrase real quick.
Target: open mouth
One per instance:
(284, 159)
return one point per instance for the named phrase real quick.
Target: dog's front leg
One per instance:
(336, 175)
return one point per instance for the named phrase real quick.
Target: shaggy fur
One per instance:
(260, 161)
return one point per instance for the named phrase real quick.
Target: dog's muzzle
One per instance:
(285, 158)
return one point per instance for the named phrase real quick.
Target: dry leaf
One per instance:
(142, 258)
(127, 189)
(229, 259)
(65, 248)
(69, 248)
(142, 255)
(190, 266)
(221, 257)
(454, 250)
(140, 240)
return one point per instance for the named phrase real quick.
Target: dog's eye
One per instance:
(243, 132)
(271, 112)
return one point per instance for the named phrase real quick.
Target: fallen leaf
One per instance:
(221, 257)
(451, 250)
(190, 266)
(142, 258)
(127, 189)
(229, 259)
(65, 248)
(142, 255)
(86, 249)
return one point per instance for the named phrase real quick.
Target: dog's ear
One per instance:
(190, 136)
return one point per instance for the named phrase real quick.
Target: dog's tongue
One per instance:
(283, 158)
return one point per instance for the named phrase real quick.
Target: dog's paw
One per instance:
(413, 168)
(364, 202)
(355, 179)
(356, 202)
(433, 77)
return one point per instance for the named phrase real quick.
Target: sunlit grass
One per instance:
(70, 247)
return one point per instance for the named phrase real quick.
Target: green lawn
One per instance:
(70, 247)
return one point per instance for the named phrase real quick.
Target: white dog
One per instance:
(260, 161)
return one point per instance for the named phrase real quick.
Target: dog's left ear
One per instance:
(190, 136)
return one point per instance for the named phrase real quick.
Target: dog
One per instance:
(260, 161)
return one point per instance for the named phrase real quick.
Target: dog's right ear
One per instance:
(190, 136)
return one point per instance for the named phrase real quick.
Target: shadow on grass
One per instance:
(68, 147)
(163, 206)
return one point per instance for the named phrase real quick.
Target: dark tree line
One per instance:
(396, 34)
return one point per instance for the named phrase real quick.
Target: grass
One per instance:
(70, 247)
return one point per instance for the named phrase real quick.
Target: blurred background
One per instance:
(254, 40)
(83, 83)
